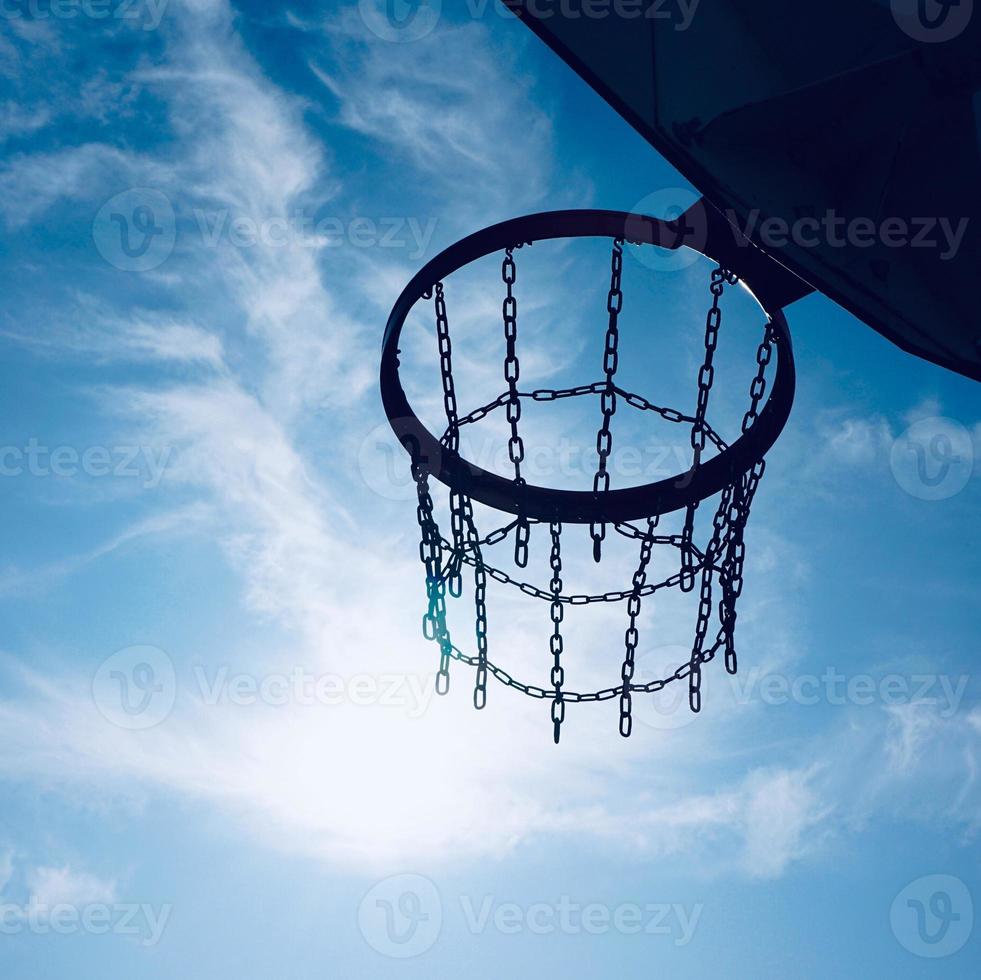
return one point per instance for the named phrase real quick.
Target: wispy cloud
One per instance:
(40, 578)
(53, 886)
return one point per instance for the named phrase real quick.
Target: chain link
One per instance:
(596, 388)
(556, 643)
(706, 376)
(575, 697)
(480, 607)
(452, 438)
(632, 636)
(512, 372)
(758, 387)
(611, 359)
(434, 621)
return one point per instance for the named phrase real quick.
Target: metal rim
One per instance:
(578, 506)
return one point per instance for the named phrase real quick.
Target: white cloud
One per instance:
(451, 103)
(781, 814)
(16, 120)
(51, 886)
(163, 524)
(6, 869)
(32, 183)
(140, 337)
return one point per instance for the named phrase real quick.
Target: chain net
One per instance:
(717, 570)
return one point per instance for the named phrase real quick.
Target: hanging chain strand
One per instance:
(632, 636)
(706, 375)
(611, 357)
(512, 371)
(743, 493)
(480, 607)
(454, 579)
(434, 621)
(699, 429)
(556, 643)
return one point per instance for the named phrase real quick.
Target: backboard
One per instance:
(842, 137)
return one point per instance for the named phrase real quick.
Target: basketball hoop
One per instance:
(733, 474)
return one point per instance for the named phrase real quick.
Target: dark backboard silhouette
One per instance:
(841, 137)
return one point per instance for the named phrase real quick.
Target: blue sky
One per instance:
(197, 483)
